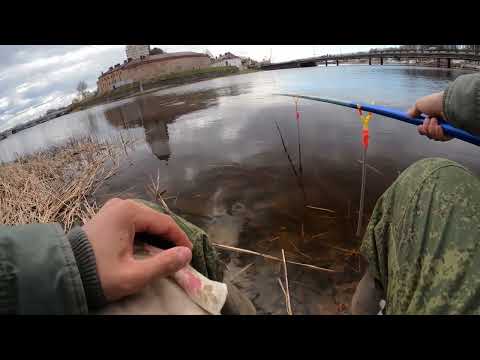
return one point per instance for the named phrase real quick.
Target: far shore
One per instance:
(153, 85)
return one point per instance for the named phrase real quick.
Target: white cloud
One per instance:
(4, 102)
(72, 57)
(27, 86)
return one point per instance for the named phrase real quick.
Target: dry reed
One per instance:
(57, 184)
(287, 291)
(266, 256)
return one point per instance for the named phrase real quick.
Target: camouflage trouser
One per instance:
(423, 240)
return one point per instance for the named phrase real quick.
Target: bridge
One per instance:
(445, 56)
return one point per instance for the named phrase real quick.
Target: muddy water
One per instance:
(219, 155)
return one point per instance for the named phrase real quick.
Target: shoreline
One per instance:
(133, 90)
(159, 84)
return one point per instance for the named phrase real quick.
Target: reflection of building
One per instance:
(154, 114)
(137, 51)
(156, 134)
(147, 114)
(149, 67)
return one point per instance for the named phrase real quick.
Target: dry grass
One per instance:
(58, 184)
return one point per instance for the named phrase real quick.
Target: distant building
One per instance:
(137, 51)
(150, 67)
(54, 113)
(228, 59)
(248, 63)
(156, 51)
(209, 54)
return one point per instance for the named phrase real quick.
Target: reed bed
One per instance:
(57, 184)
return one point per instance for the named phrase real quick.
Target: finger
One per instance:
(152, 250)
(110, 203)
(430, 104)
(437, 131)
(444, 136)
(153, 222)
(424, 126)
(164, 263)
(420, 130)
(414, 111)
(432, 128)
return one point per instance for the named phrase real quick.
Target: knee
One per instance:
(427, 167)
(430, 164)
(433, 174)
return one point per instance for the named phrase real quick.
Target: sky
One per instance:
(35, 78)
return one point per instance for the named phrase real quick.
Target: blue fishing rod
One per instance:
(448, 129)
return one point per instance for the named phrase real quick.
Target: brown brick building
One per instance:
(150, 67)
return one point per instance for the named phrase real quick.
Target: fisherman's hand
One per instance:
(111, 233)
(432, 106)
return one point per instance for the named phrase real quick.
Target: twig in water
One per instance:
(298, 250)
(169, 198)
(154, 187)
(240, 272)
(319, 235)
(362, 192)
(372, 168)
(321, 209)
(281, 286)
(289, 305)
(286, 151)
(244, 251)
(352, 252)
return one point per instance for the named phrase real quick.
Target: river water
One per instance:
(218, 152)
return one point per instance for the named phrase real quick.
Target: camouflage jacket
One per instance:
(422, 239)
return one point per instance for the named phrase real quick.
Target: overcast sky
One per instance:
(35, 78)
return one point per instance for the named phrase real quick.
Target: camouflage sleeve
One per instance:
(461, 103)
(422, 240)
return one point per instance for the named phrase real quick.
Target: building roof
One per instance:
(227, 55)
(174, 55)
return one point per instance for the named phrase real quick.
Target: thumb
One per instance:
(414, 111)
(165, 263)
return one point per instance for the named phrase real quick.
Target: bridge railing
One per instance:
(455, 54)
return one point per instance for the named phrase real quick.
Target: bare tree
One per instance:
(82, 88)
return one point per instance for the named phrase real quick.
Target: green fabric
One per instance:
(461, 103)
(204, 256)
(38, 272)
(422, 242)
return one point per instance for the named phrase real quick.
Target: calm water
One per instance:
(217, 149)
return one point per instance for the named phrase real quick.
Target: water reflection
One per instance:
(154, 114)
